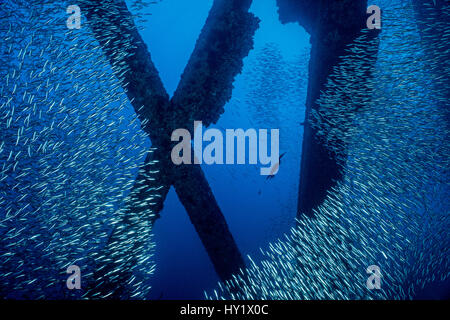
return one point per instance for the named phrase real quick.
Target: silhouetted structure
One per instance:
(205, 87)
(332, 25)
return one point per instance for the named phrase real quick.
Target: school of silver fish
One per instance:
(391, 208)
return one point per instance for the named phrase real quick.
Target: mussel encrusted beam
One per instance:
(205, 87)
(332, 25)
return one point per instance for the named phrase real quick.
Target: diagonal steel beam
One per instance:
(229, 28)
(207, 82)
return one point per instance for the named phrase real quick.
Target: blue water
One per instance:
(84, 182)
